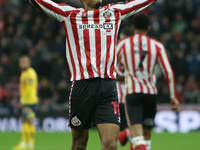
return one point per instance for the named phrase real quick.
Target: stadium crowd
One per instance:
(25, 30)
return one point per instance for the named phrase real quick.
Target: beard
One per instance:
(98, 4)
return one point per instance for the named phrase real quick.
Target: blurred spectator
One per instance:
(14, 59)
(2, 96)
(191, 90)
(193, 59)
(12, 90)
(179, 63)
(45, 92)
(165, 25)
(163, 95)
(189, 11)
(57, 69)
(4, 62)
(45, 70)
(2, 22)
(4, 45)
(179, 24)
(63, 91)
(59, 46)
(3, 77)
(155, 24)
(35, 59)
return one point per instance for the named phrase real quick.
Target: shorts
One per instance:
(141, 109)
(123, 124)
(28, 111)
(93, 101)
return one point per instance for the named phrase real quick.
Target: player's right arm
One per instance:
(169, 75)
(131, 7)
(52, 9)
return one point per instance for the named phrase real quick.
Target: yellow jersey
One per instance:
(28, 87)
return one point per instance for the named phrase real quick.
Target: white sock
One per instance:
(148, 144)
(23, 144)
(138, 140)
(30, 144)
(128, 132)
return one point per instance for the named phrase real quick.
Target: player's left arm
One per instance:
(132, 7)
(169, 75)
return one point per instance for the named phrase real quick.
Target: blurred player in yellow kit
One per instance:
(28, 100)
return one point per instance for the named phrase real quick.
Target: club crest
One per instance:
(107, 14)
(75, 121)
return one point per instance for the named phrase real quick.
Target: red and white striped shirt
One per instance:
(140, 54)
(91, 35)
(120, 85)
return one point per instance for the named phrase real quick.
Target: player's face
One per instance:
(93, 3)
(24, 63)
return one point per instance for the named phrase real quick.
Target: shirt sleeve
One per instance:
(52, 9)
(167, 70)
(131, 7)
(120, 65)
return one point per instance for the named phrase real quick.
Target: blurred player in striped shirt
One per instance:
(139, 54)
(124, 131)
(91, 56)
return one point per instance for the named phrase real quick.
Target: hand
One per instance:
(175, 103)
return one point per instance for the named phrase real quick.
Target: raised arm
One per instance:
(52, 9)
(132, 6)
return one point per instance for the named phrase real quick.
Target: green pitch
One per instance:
(62, 141)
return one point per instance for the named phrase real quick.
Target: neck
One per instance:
(91, 8)
(24, 69)
(141, 32)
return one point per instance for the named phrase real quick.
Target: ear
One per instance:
(133, 27)
(149, 27)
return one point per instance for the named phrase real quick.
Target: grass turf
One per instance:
(62, 141)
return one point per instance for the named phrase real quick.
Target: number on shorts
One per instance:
(116, 107)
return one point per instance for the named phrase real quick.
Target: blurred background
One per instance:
(26, 30)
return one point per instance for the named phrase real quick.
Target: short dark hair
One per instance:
(127, 31)
(141, 22)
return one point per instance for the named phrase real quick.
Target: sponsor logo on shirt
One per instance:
(106, 26)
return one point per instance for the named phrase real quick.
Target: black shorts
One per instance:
(141, 109)
(123, 124)
(93, 101)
